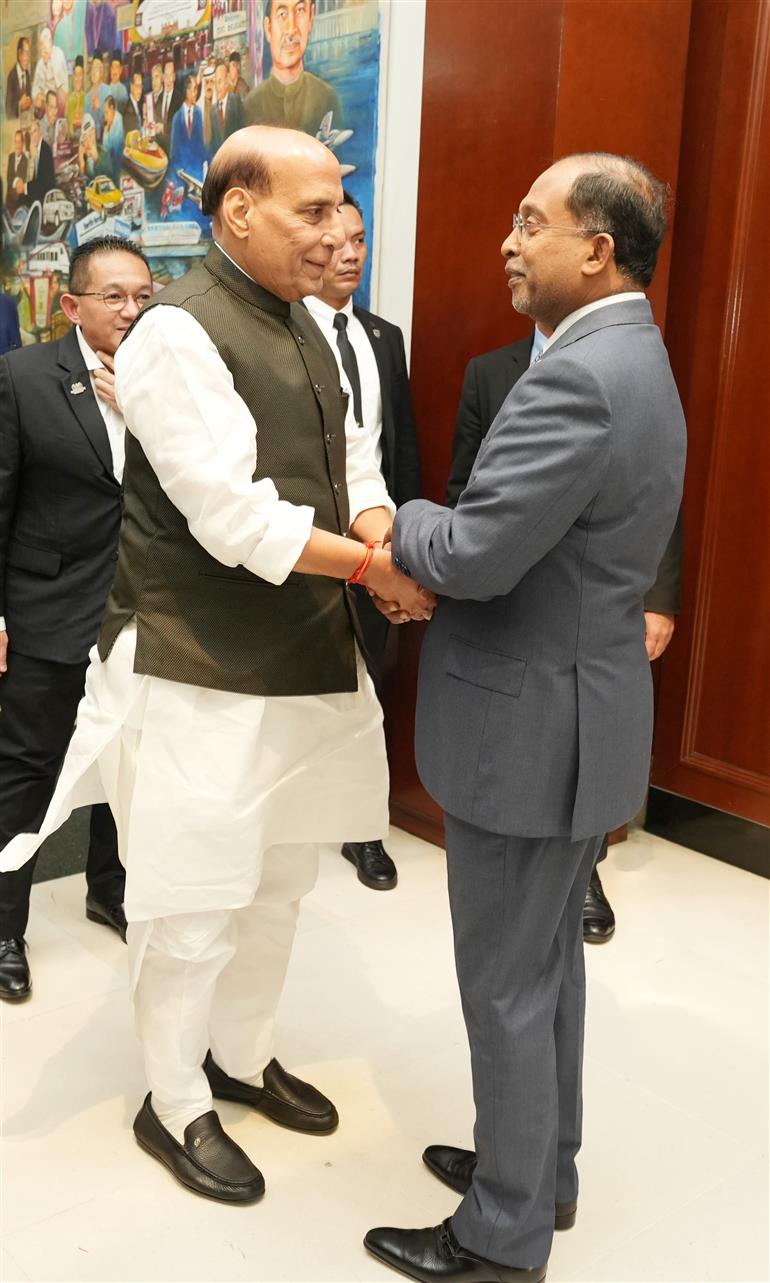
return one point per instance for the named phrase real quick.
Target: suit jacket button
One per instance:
(336, 487)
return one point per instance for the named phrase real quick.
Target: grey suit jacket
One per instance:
(488, 380)
(534, 713)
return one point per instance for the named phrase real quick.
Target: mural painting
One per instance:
(112, 112)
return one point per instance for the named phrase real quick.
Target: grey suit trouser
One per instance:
(517, 913)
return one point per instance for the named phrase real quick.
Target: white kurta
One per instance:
(202, 782)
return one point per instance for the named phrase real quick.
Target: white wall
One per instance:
(398, 162)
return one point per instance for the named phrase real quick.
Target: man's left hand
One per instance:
(658, 631)
(104, 378)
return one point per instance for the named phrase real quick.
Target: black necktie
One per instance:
(349, 364)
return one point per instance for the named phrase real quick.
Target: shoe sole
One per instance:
(195, 1189)
(591, 938)
(258, 1109)
(387, 1260)
(373, 886)
(16, 997)
(561, 1221)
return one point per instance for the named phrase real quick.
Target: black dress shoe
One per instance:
(375, 867)
(282, 1097)
(15, 980)
(208, 1162)
(434, 1253)
(598, 918)
(455, 1167)
(110, 915)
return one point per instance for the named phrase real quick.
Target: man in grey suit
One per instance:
(534, 717)
(488, 380)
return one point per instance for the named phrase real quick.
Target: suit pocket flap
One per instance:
(489, 669)
(39, 561)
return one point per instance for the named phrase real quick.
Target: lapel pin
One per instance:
(76, 389)
(376, 332)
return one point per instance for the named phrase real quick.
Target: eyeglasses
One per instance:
(114, 300)
(526, 228)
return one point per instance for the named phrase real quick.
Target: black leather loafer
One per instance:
(282, 1097)
(455, 1167)
(434, 1253)
(208, 1162)
(375, 867)
(109, 915)
(15, 979)
(598, 918)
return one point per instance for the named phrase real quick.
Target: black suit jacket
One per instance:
(133, 116)
(488, 380)
(60, 503)
(400, 452)
(177, 98)
(17, 168)
(44, 177)
(233, 120)
(13, 91)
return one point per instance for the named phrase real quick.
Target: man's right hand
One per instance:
(3, 653)
(397, 596)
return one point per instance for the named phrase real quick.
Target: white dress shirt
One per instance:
(113, 420)
(371, 392)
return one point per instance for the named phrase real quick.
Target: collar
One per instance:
(317, 307)
(231, 274)
(587, 308)
(89, 356)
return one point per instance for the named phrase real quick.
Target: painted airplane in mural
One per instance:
(334, 138)
(194, 185)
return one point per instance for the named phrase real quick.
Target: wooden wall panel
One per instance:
(621, 89)
(488, 115)
(508, 86)
(713, 733)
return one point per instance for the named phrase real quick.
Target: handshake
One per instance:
(397, 596)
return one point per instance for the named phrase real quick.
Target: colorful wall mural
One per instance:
(111, 113)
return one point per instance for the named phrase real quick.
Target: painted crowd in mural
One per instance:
(113, 111)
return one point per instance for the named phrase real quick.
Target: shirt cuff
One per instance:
(281, 545)
(3, 628)
(368, 494)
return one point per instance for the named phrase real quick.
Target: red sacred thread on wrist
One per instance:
(364, 564)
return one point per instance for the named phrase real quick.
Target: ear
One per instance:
(602, 250)
(234, 211)
(70, 306)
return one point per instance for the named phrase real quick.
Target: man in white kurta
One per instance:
(220, 797)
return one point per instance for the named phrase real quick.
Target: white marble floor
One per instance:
(675, 1163)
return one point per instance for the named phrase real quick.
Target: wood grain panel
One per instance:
(713, 734)
(488, 114)
(621, 89)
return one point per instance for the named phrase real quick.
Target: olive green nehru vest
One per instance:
(197, 620)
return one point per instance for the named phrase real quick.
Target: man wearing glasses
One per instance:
(61, 465)
(534, 703)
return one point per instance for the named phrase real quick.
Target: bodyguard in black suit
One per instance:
(488, 380)
(61, 459)
(371, 353)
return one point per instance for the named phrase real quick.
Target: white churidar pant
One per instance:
(213, 980)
